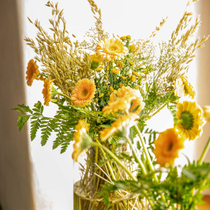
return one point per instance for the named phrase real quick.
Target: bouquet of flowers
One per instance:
(106, 88)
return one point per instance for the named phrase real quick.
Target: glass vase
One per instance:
(98, 170)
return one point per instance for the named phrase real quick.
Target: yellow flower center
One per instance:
(85, 92)
(187, 120)
(170, 146)
(113, 47)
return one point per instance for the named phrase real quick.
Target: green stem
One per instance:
(204, 152)
(136, 157)
(146, 153)
(115, 158)
(64, 95)
(108, 164)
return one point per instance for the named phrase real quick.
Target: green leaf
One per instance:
(22, 120)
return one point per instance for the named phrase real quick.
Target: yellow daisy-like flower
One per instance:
(188, 88)
(32, 72)
(122, 99)
(167, 147)
(82, 140)
(128, 37)
(126, 122)
(120, 64)
(83, 92)
(179, 88)
(190, 120)
(110, 49)
(115, 71)
(123, 37)
(47, 91)
(206, 110)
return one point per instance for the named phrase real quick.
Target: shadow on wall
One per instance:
(15, 184)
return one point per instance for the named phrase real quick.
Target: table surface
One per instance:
(206, 206)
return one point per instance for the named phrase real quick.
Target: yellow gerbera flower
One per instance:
(47, 91)
(82, 140)
(188, 88)
(110, 49)
(126, 122)
(206, 110)
(190, 120)
(167, 146)
(32, 72)
(122, 99)
(83, 92)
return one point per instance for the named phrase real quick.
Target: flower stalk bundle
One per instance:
(105, 90)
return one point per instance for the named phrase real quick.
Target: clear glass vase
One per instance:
(96, 171)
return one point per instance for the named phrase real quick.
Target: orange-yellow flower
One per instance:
(47, 91)
(82, 140)
(190, 120)
(127, 121)
(122, 99)
(110, 49)
(32, 72)
(133, 78)
(167, 147)
(83, 92)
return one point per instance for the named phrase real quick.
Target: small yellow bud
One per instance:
(99, 69)
(107, 68)
(133, 78)
(115, 71)
(132, 48)
(129, 75)
(128, 37)
(135, 73)
(120, 64)
(131, 63)
(101, 95)
(123, 37)
(106, 83)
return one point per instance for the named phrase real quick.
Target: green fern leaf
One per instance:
(35, 125)
(22, 120)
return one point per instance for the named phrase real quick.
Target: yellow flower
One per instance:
(128, 37)
(111, 88)
(47, 91)
(123, 37)
(115, 71)
(167, 147)
(132, 48)
(131, 63)
(101, 95)
(110, 49)
(120, 64)
(106, 83)
(32, 72)
(190, 120)
(188, 87)
(133, 78)
(126, 122)
(206, 110)
(83, 92)
(122, 99)
(107, 68)
(82, 140)
(129, 75)
(179, 88)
